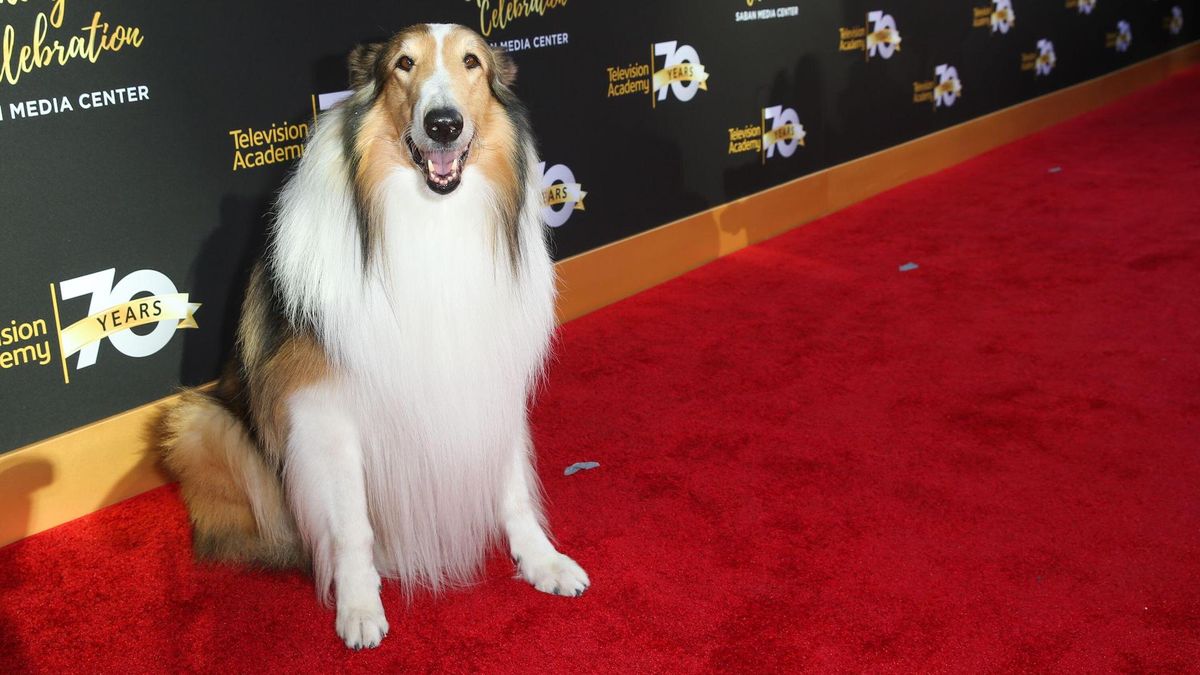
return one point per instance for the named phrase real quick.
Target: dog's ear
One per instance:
(364, 63)
(504, 71)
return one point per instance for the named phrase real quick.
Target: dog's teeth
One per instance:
(430, 166)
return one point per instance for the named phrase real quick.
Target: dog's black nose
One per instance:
(443, 124)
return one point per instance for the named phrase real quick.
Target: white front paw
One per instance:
(361, 625)
(554, 573)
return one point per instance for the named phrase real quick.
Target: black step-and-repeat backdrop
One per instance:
(141, 142)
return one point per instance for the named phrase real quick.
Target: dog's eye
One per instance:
(471, 61)
(406, 64)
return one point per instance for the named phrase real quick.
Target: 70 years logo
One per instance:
(682, 73)
(948, 88)
(141, 298)
(786, 132)
(777, 132)
(878, 37)
(561, 194)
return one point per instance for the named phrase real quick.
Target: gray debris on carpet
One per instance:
(580, 466)
(909, 266)
(1055, 169)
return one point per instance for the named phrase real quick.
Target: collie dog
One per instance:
(373, 421)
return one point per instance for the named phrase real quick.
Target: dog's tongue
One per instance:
(440, 163)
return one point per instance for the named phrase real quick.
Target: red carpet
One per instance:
(809, 460)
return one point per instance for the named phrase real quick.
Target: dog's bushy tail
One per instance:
(235, 501)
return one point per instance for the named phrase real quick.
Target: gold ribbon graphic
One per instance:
(784, 133)
(883, 36)
(128, 315)
(947, 87)
(561, 193)
(1003, 16)
(691, 72)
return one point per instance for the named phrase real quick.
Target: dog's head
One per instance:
(435, 90)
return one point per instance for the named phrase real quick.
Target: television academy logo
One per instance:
(255, 148)
(561, 194)
(999, 16)
(1042, 61)
(1084, 6)
(878, 37)
(1121, 39)
(682, 74)
(942, 91)
(20, 344)
(1174, 22)
(282, 142)
(778, 131)
(141, 298)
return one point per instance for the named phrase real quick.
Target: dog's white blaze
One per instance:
(439, 31)
(436, 90)
(435, 345)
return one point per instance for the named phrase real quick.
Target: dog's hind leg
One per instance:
(323, 474)
(520, 511)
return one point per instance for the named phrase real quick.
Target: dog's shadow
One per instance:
(218, 279)
(220, 271)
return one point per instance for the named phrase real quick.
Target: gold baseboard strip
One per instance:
(70, 475)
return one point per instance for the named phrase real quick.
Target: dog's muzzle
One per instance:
(443, 162)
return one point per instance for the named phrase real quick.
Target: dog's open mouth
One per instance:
(443, 168)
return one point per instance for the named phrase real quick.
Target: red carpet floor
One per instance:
(809, 460)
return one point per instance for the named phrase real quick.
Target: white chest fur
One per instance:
(435, 343)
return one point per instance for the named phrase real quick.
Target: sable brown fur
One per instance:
(228, 445)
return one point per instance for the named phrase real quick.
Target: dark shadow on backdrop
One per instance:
(221, 270)
(219, 275)
(627, 208)
(753, 176)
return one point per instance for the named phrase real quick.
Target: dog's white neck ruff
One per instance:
(435, 343)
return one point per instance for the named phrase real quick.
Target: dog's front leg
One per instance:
(536, 558)
(325, 484)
